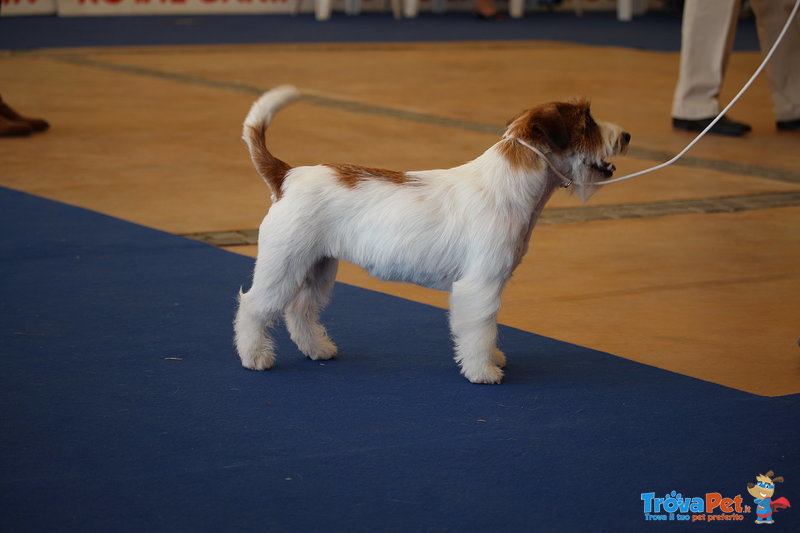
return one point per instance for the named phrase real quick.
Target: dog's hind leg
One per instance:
(473, 313)
(277, 279)
(499, 358)
(254, 345)
(302, 315)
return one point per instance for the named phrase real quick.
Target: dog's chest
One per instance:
(440, 281)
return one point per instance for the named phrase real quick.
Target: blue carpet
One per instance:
(124, 408)
(651, 32)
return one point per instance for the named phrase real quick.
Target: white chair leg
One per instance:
(439, 6)
(516, 8)
(322, 9)
(626, 9)
(411, 8)
(352, 7)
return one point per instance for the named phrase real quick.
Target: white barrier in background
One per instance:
(218, 7)
(73, 8)
(13, 8)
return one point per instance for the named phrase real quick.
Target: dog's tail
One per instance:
(272, 169)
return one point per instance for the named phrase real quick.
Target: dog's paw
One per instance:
(258, 361)
(499, 358)
(324, 351)
(488, 374)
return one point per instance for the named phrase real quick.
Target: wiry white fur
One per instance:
(463, 230)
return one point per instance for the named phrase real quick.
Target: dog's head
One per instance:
(765, 486)
(568, 135)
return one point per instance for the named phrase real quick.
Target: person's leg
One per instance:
(709, 27)
(783, 70)
(486, 10)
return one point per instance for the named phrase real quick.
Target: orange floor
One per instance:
(659, 275)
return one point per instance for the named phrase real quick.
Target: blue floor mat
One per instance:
(650, 32)
(124, 408)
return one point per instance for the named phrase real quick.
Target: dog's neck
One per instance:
(515, 178)
(566, 182)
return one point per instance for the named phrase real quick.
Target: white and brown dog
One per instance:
(462, 230)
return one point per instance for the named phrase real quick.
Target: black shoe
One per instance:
(788, 125)
(11, 128)
(35, 124)
(725, 126)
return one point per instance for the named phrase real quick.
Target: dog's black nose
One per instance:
(626, 136)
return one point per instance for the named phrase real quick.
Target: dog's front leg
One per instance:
(473, 312)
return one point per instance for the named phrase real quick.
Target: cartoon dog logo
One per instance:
(762, 492)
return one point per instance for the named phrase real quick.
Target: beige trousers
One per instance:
(709, 27)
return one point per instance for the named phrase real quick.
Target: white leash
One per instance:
(568, 182)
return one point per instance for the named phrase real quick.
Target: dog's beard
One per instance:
(588, 173)
(585, 191)
(584, 180)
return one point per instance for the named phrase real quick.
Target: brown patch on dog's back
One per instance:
(352, 175)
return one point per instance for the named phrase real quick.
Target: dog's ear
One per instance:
(581, 102)
(514, 118)
(548, 125)
(778, 479)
